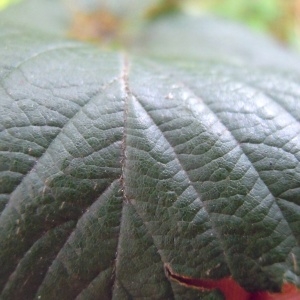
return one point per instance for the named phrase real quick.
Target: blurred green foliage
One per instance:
(5, 3)
(281, 18)
(274, 16)
(257, 13)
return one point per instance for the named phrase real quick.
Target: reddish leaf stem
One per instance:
(233, 291)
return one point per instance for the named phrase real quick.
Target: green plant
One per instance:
(158, 171)
(5, 3)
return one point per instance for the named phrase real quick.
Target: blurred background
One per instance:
(280, 18)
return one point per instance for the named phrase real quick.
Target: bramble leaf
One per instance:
(129, 176)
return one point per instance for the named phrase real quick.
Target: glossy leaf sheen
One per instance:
(117, 171)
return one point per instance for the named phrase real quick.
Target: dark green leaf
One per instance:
(115, 168)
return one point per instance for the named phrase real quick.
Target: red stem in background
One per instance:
(233, 291)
